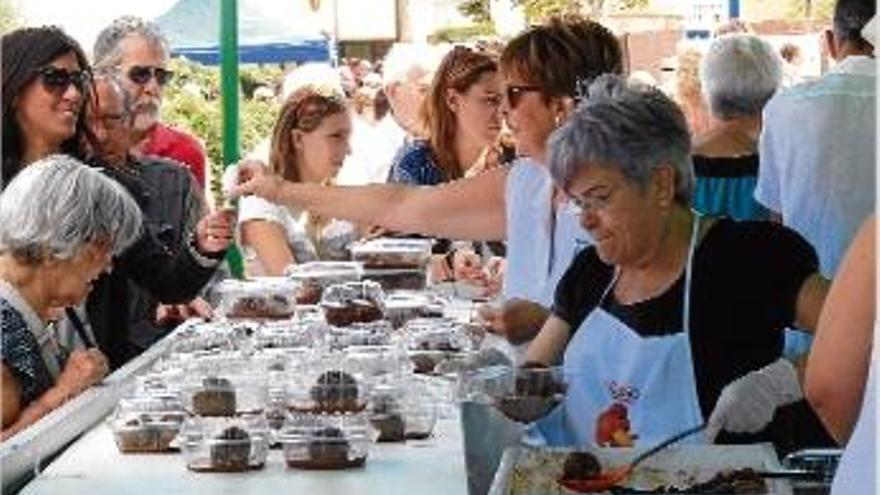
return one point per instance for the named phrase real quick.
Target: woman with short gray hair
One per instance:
(60, 224)
(739, 74)
(660, 325)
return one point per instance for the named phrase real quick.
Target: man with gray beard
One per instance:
(136, 50)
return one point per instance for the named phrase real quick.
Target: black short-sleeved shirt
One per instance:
(745, 281)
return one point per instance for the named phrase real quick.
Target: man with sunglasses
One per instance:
(136, 50)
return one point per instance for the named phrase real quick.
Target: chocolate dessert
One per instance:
(335, 392)
(215, 398)
(144, 435)
(355, 302)
(328, 449)
(581, 465)
(386, 419)
(231, 451)
(263, 306)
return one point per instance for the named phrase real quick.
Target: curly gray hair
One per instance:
(628, 126)
(107, 51)
(57, 205)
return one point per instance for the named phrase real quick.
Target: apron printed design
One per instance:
(613, 428)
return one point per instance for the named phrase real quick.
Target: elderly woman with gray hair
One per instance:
(670, 320)
(739, 74)
(60, 224)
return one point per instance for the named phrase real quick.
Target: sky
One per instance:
(83, 19)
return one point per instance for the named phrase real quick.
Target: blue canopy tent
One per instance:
(193, 32)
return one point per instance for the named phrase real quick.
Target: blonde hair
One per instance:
(305, 109)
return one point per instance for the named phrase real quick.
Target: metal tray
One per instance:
(533, 471)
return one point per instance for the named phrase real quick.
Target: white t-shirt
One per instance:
(335, 236)
(540, 246)
(857, 472)
(818, 157)
(372, 151)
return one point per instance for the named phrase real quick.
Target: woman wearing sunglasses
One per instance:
(45, 80)
(541, 69)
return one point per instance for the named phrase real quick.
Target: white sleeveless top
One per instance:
(540, 246)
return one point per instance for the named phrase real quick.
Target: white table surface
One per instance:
(94, 466)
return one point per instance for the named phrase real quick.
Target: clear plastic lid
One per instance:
(211, 396)
(331, 390)
(353, 302)
(403, 306)
(387, 252)
(267, 297)
(287, 334)
(376, 333)
(326, 273)
(315, 276)
(147, 424)
(225, 444)
(325, 442)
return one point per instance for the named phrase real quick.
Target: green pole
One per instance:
(229, 92)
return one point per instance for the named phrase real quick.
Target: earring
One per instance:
(557, 120)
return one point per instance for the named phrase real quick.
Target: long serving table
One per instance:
(94, 465)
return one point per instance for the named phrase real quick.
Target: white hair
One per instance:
(315, 74)
(739, 74)
(405, 58)
(57, 205)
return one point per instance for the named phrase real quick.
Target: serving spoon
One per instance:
(608, 479)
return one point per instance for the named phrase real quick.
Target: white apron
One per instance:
(625, 389)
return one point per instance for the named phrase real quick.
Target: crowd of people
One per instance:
(659, 255)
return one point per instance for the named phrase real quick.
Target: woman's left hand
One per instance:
(747, 404)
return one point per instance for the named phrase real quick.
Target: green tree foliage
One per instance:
(538, 10)
(476, 10)
(192, 102)
(9, 16)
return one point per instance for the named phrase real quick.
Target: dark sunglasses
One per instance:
(141, 74)
(57, 80)
(514, 93)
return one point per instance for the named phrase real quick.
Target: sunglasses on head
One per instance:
(57, 80)
(514, 93)
(141, 74)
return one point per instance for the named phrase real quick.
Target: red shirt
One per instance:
(168, 142)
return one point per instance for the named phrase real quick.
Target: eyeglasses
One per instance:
(513, 93)
(57, 80)
(141, 74)
(580, 205)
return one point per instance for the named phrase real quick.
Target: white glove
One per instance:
(748, 404)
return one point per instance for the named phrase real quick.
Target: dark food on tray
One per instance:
(215, 398)
(581, 465)
(741, 482)
(328, 449)
(537, 391)
(335, 392)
